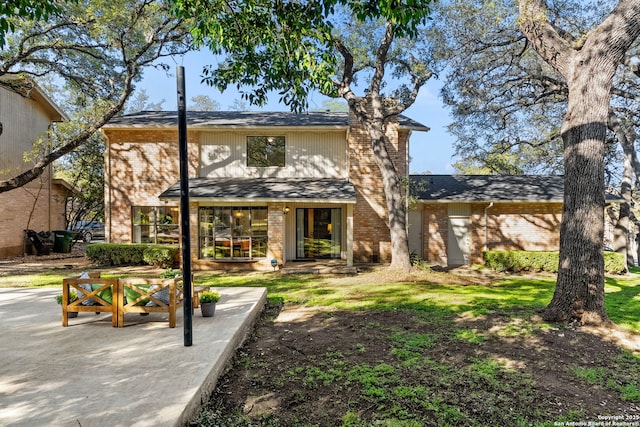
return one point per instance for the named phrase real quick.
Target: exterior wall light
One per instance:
(285, 210)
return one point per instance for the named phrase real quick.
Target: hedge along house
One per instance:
(457, 217)
(263, 186)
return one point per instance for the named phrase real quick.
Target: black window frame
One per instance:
(266, 151)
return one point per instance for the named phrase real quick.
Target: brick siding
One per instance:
(509, 226)
(19, 212)
(371, 238)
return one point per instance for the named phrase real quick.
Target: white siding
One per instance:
(23, 121)
(308, 154)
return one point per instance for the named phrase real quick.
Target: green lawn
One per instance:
(515, 292)
(447, 353)
(622, 292)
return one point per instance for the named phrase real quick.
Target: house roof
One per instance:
(266, 190)
(244, 119)
(490, 188)
(487, 188)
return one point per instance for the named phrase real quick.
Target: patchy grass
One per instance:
(433, 350)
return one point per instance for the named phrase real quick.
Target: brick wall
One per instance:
(140, 165)
(33, 206)
(509, 226)
(524, 226)
(371, 239)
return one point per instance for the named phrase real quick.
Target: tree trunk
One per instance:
(375, 125)
(626, 135)
(579, 292)
(588, 67)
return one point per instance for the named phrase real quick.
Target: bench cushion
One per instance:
(161, 295)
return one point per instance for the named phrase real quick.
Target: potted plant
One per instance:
(208, 300)
(72, 297)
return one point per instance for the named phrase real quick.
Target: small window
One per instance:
(156, 224)
(265, 151)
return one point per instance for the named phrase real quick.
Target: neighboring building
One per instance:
(457, 217)
(263, 186)
(25, 116)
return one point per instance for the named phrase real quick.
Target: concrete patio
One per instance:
(91, 374)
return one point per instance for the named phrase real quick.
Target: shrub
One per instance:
(209, 296)
(128, 254)
(160, 255)
(614, 263)
(517, 261)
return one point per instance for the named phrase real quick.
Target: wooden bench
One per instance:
(99, 289)
(130, 295)
(139, 292)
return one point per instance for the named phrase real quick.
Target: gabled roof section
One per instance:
(28, 88)
(266, 190)
(488, 188)
(243, 119)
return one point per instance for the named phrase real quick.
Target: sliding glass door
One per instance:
(318, 233)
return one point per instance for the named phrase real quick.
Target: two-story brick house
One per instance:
(26, 112)
(292, 187)
(263, 185)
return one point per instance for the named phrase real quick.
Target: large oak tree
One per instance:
(588, 65)
(294, 47)
(507, 102)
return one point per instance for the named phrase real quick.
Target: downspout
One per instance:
(486, 227)
(50, 171)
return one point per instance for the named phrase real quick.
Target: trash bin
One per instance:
(62, 242)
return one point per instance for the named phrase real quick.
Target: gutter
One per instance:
(486, 221)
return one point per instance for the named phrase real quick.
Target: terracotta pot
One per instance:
(208, 309)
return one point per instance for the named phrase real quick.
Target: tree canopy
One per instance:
(90, 54)
(372, 54)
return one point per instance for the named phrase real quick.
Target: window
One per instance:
(228, 232)
(265, 151)
(156, 224)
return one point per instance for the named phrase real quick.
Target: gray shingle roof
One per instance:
(488, 188)
(267, 189)
(235, 119)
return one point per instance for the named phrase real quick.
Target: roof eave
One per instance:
(448, 201)
(259, 200)
(224, 127)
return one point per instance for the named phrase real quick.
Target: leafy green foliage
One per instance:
(517, 261)
(291, 47)
(125, 254)
(83, 169)
(209, 297)
(31, 9)
(88, 55)
(73, 295)
(170, 273)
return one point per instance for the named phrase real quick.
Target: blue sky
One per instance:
(430, 151)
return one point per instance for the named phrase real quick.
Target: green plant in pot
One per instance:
(72, 297)
(208, 300)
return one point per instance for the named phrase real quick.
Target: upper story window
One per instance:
(265, 151)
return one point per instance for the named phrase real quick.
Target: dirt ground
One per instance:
(294, 371)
